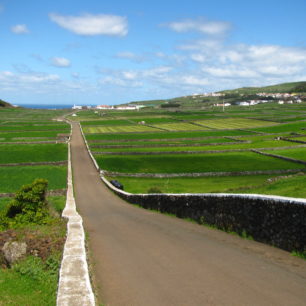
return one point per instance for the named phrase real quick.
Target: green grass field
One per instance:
(11, 153)
(299, 153)
(180, 126)
(118, 129)
(228, 146)
(237, 123)
(288, 127)
(167, 135)
(184, 163)
(12, 178)
(193, 185)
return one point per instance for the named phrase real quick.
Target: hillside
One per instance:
(231, 96)
(295, 87)
(5, 104)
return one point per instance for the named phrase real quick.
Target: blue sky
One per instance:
(111, 52)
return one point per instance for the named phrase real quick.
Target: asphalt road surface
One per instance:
(146, 258)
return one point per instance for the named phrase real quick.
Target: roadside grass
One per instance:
(36, 286)
(194, 163)
(221, 184)
(12, 178)
(12, 153)
(34, 280)
(167, 135)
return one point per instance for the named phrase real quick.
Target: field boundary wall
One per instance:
(58, 163)
(74, 287)
(275, 220)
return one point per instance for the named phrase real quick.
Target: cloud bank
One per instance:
(91, 25)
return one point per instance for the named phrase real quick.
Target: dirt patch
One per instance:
(40, 242)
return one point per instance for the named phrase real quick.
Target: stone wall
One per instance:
(203, 174)
(278, 221)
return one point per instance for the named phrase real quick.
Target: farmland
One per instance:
(32, 146)
(21, 130)
(208, 142)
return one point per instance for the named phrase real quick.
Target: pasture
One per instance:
(12, 178)
(24, 153)
(213, 139)
(193, 163)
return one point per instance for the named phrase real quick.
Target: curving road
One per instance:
(145, 258)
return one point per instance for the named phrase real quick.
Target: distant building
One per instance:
(77, 107)
(243, 103)
(104, 107)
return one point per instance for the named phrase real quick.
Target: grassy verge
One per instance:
(33, 279)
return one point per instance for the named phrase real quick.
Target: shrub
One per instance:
(154, 189)
(28, 206)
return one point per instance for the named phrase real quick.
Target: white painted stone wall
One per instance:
(74, 286)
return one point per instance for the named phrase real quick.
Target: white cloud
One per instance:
(91, 25)
(200, 25)
(60, 62)
(20, 29)
(194, 80)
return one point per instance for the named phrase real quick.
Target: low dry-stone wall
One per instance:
(281, 157)
(58, 163)
(200, 174)
(278, 221)
(168, 145)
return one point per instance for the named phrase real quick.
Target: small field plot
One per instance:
(228, 184)
(11, 153)
(30, 136)
(237, 123)
(106, 122)
(178, 148)
(12, 178)
(118, 129)
(166, 135)
(193, 163)
(47, 127)
(296, 153)
(288, 186)
(154, 143)
(154, 120)
(180, 126)
(283, 128)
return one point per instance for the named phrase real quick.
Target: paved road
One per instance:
(146, 258)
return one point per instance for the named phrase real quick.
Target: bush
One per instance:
(154, 189)
(28, 206)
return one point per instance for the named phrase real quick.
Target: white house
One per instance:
(76, 107)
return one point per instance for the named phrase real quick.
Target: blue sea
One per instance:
(48, 106)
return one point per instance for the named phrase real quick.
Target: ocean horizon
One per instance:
(48, 106)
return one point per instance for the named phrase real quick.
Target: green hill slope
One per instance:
(295, 87)
(5, 104)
